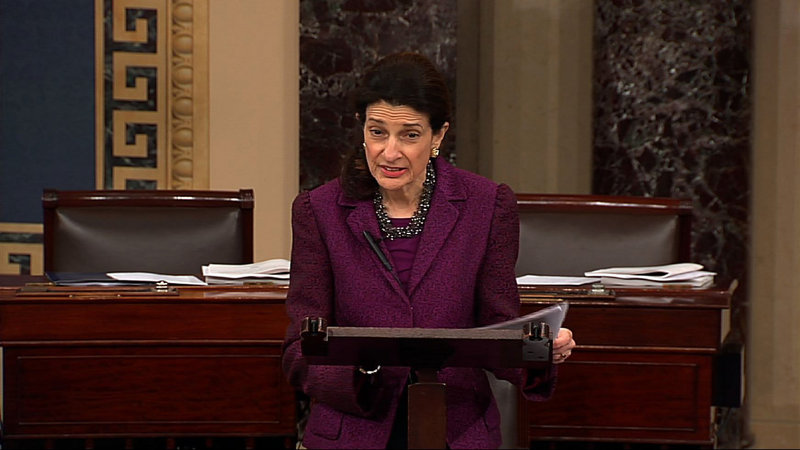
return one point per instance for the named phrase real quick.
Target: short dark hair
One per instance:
(400, 79)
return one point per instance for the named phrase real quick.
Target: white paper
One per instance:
(555, 280)
(156, 277)
(241, 281)
(682, 271)
(553, 315)
(700, 281)
(271, 276)
(687, 276)
(272, 268)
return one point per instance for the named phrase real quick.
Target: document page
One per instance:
(551, 280)
(553, 315)
(655, 273)
(274, 271)
(148, 277)
(119, 279)
(277, 268)
(675, 275)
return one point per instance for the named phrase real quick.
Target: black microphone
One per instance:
(375, 248)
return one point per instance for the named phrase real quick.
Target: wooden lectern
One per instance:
(426, 350)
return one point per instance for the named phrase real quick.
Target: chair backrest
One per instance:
(573, 234)
(161, 231)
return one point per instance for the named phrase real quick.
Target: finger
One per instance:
(560, 357)
(564, 335)
(564, 346)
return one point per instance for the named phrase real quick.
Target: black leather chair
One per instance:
(161, 231)
(573, 234)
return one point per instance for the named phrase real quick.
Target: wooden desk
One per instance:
(206, 362)
(642, 372)
(202, 362)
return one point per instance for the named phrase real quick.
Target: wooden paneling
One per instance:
(104, 363)
(642, 371)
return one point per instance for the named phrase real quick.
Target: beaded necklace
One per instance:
(414, 228)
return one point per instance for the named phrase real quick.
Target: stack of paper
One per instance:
(669, 275)
(537, 280)
(274, 271)
(120, 279)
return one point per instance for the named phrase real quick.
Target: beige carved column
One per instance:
(773, 347)
(189, 97)
(524, 110)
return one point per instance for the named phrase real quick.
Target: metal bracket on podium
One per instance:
(538, 342)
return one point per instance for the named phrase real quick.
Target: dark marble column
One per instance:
(672, 114)
(673, 118)
(339, 39)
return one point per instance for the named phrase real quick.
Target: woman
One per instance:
(450, 240)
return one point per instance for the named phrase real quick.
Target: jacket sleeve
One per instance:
(498, 295)
(311, 294)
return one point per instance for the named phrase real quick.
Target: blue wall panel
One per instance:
(47, 91)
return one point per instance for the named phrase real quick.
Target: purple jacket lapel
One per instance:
(362, 218)
(442, 217)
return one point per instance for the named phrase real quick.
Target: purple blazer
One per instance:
(462, 277)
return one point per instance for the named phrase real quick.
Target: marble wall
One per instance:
(339, 39)
(671, 98)
(673, 117)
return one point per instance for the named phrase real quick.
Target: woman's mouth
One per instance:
(393, 172)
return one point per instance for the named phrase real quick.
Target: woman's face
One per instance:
(399, 141)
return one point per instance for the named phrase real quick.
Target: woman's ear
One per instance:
(439, 137)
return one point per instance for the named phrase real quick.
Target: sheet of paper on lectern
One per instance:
(553, 315)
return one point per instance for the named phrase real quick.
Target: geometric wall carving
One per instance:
(21, 249)
(151, 94)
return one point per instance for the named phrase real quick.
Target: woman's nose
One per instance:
(392, 150)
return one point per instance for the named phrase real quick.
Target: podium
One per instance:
(426, 350)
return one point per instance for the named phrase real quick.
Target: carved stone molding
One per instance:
(21, 249)
(189, 82)
(152, 94)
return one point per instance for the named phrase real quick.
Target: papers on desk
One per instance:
(555, 280)
(120, 279)
(678, 275)
(273, 271)
(147, 277)
(668, 275)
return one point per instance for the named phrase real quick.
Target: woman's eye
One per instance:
(413, 135)
(375, 132)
